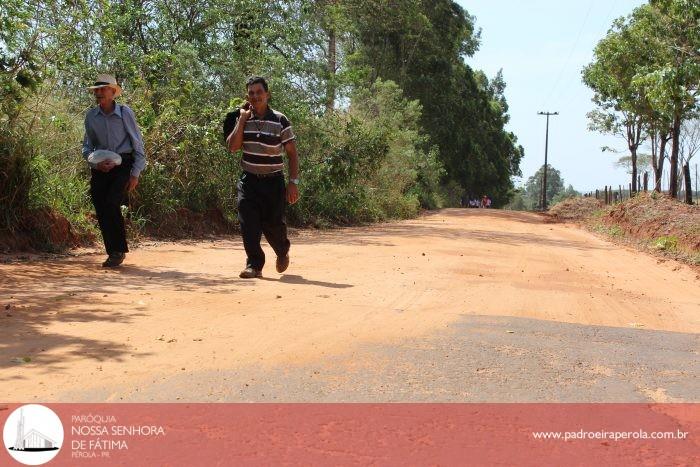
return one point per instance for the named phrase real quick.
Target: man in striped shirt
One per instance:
(262, 133)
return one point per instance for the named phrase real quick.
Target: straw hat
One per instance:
(104, 80)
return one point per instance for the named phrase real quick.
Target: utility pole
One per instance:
(546, 144)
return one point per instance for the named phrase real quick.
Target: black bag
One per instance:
(230, 122)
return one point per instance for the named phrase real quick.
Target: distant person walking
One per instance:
(112, 127)
(262, 133)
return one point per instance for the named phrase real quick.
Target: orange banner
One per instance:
(350, 434)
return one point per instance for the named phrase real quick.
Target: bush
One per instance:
(517, 200)
(367, 164)
(665, 243)
(15, 177)
(362, 165)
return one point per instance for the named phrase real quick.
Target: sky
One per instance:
(542, 46)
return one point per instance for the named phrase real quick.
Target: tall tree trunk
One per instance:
(688, 184)
(332, 63)
(634, 134)
(658, 163)
(675, 146)
(655, 156)
(633, 154)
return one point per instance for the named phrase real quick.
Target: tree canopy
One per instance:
(646, 79)
(378, 91)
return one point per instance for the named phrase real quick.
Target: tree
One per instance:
(533, 187)
(671, 80)
(33, 46)
(517, 201)
(610, 76)
(647, 71)
(689, 146)
(387, 112)
(643, 163)
(690, 139)
(421, 45)
(570, 192)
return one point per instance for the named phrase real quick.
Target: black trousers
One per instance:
(261, 205)
(108, 192)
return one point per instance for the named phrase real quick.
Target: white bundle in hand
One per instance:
(102, 155)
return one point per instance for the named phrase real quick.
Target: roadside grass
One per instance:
(613, 231)
(665, 243)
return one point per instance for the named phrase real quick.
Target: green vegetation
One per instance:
(665, 243)
(529, 197)
(645, 77)
(657, 224)
(614, 231)
(389, 118)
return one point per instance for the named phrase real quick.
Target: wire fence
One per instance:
(687, 191)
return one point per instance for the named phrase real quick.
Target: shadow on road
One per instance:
(431, 227)
(474, 359)
(78, 290)
(295, 279)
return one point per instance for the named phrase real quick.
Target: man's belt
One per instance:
(273, 174)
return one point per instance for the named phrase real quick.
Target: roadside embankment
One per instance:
(649, 221)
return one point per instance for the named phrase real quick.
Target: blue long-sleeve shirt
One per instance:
(117, 132)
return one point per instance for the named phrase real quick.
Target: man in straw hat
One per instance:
(111, 126)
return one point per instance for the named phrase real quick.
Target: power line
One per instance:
(606, 25)
(571, 52)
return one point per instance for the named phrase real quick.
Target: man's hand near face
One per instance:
(246, 111)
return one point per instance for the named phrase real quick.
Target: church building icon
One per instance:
(32, 440)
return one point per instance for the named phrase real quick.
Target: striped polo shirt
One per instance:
(263, 140)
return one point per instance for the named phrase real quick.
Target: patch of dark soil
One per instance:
(185, 223)
(43, 230)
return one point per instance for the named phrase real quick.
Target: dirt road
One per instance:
(460, 305)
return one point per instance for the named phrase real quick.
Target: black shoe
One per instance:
(250, 273)
(114, 260)
(282, 263)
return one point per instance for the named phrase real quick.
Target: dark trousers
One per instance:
(108, 192)
(261, 205)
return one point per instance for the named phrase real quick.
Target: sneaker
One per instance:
(250, 273)
(114, 260)
(282, 263)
